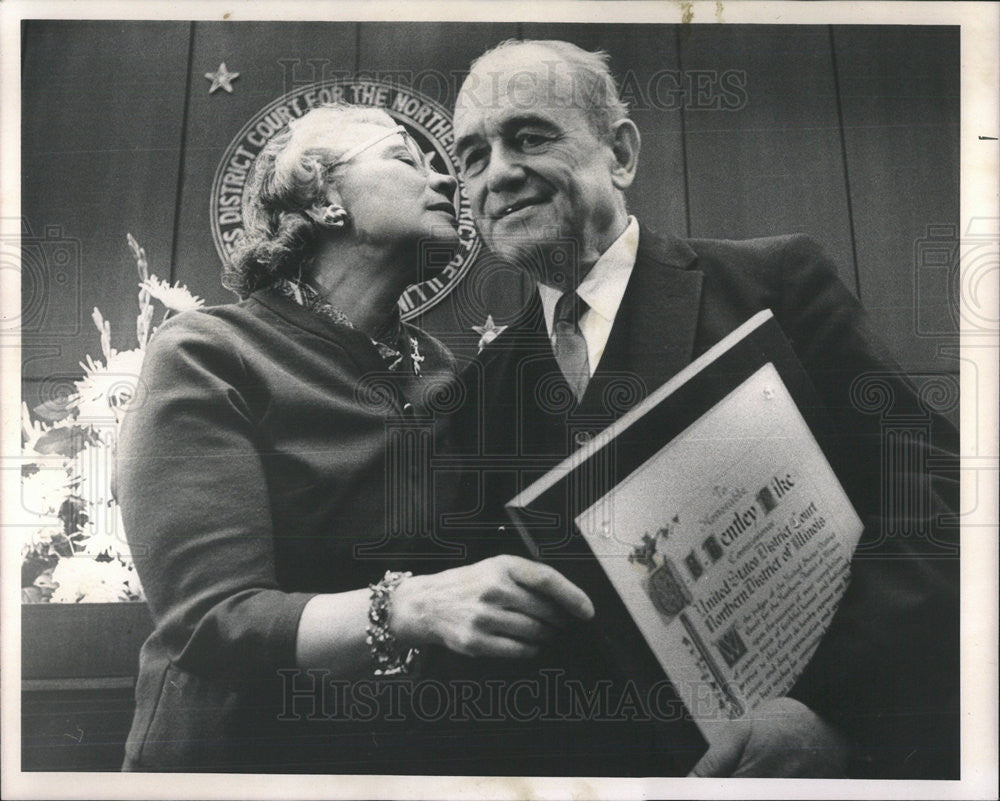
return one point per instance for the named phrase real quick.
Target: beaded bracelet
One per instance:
(388, 661)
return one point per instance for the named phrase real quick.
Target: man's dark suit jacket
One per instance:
(887, 670)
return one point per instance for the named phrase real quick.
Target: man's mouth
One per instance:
(444, 206)
(506, 211)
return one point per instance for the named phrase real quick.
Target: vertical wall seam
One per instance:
(843, 156)
(684, 142)
(526, 282)
(179, 195)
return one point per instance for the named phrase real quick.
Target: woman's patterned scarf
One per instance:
(307, 297)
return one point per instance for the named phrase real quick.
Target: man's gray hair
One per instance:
(592, 84)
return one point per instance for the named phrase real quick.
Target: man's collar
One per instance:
(604, 285)
(664, 250)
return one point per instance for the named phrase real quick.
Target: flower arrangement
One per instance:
(73, 543)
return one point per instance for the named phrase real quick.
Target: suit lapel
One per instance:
(654, 330)
(652, 337)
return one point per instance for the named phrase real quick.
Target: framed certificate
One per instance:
(708, 526)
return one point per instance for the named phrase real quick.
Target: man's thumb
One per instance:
(723, 756)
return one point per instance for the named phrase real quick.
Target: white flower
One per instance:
(50, 480)
(103, 537)
(84, 579)
(105, 391)
(143, 322)
(105, 328)
(37, 539)
(139, 254)
(130, 580)
(43, 491)
(176, 297)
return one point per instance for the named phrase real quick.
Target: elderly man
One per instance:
(547, 153)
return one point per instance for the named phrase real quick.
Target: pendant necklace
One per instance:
(415, 357)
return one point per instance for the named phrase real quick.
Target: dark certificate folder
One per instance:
(708, 529)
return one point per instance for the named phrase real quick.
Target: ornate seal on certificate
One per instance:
(661, 579)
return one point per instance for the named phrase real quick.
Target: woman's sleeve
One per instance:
(195, 504)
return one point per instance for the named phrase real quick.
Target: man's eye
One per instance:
(529, 141)
(473, 162)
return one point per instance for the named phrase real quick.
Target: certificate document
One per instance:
(729, 544)
(730, 547)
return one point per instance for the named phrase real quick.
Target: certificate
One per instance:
(727, 542)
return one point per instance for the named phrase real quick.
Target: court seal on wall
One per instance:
(427, 120)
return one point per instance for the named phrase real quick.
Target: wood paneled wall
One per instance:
(850, 134)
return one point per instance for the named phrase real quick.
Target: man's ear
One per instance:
(625, 145)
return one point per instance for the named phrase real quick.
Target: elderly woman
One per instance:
(253, 476)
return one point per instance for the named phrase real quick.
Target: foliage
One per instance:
(73, 542)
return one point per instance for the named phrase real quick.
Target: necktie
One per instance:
(570, 345)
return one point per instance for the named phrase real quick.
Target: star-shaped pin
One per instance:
(222, 79)
(488, 331)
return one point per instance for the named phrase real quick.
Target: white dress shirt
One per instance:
(602, 290)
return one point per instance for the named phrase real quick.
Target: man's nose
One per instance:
(504, 170)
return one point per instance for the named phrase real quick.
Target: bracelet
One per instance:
(388, 661)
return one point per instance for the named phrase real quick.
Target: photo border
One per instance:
(979, 176)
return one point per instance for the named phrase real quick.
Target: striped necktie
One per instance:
(569, 343)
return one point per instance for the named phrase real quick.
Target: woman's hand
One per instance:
(504, 606)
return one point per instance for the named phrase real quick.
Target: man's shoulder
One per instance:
(762, 246)
(761, 266)
(707, 253)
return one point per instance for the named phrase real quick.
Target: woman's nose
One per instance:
(444, 184)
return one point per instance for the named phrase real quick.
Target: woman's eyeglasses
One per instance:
(419, 159)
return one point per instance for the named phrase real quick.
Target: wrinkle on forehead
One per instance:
(532, 79)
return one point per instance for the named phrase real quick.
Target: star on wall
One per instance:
(488, 331)
(221, 79)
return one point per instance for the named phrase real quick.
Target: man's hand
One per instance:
(782, 738)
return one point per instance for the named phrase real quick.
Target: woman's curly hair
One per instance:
(286, 180)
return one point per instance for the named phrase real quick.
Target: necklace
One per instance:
(306, 296)
(415, 357)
